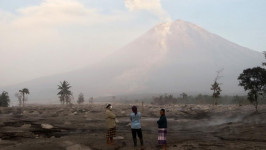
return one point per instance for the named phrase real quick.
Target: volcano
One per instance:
(176, 56)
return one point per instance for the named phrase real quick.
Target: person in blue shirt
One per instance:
(135, 117)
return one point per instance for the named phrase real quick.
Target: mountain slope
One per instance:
(172, 57)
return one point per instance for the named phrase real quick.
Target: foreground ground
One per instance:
(195, 127)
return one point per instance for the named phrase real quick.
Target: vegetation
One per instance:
(24, 92)
(164, 99)
(264, 63)
(200, 99)
(64, 93)
(81, 98)
(19, 97)
(183, 95)
(91, 100)
(4, 99)
(254, 81)
(215, 87)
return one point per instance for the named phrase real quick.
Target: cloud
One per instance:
(58, 36)
(59, 12)
(152, 6)
(54, 36)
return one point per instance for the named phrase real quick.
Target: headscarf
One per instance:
(135, 110)
(108, 105)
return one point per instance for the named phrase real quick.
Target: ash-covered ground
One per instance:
(82, 127)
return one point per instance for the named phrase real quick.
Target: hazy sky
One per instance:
(45, 37)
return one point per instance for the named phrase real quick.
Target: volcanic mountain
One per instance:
(175, 56)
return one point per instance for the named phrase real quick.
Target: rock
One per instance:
(35, 113)
(67, 123)
(4, 110)
(25, 112)
(119, 138)
(68, 143)
(26, 126)
(77, 147)
(47, 126)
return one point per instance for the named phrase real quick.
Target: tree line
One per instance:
(253, 80)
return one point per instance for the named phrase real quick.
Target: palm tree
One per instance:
(23, 92)
(64, 93)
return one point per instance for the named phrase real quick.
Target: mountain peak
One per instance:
(176, 55)
(181, 28)
(179, 23)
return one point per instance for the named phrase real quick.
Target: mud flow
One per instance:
(198, 127)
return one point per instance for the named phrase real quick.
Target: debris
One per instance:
(67, 123)
(47, 126)
(35, 113)
(68, 143)
(77, 147)
(26, 126)
(119, 138)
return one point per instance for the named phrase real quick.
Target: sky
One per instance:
(45, 37)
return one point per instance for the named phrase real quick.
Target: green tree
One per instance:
(64, 93)
(4, 99)
(215, 87)
(80, 98)
(254, 81)
(24, 92)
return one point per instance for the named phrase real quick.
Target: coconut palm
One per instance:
(64, 93)
(24, 92)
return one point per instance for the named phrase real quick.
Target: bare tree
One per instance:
(80, 98)
(19, 97)
(91, 100)
(264, 63)
(183, 95)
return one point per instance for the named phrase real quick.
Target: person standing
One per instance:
(162, 132)
(135, 117)
(110, 124)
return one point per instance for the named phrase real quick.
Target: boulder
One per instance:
(47, 126)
